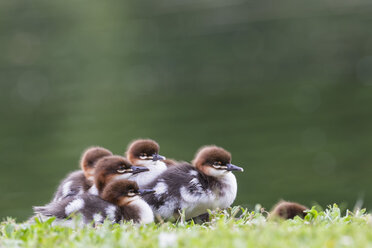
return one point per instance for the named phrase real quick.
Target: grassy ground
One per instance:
(231, 228)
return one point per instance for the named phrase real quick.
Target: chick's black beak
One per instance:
(156, 157)
(145, 191)
(138, 169)
(231, 167)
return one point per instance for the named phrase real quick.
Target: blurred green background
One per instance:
(286, 86)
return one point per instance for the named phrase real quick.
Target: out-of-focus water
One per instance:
(286, 89)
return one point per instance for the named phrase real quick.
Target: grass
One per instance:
(234, 227)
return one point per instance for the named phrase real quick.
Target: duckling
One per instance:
(207, 183)
(112, 168)
(120, 201)
(287, 210)
(145, 152)
(80, 181)
(130, 202)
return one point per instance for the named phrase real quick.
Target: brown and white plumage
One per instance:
(80, 181)
(112, 168)
(207, 183)
(145, 152)
(120, 200)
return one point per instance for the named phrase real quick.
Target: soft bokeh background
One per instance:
(286, 86)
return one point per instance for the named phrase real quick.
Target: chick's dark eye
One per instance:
(131, 192)
(143, 156)
(124, 169)
(217, 164)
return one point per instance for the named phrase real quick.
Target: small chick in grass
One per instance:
(80, 181)
(287, 210)
(120, 201)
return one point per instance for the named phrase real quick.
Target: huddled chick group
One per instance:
(143, 186)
